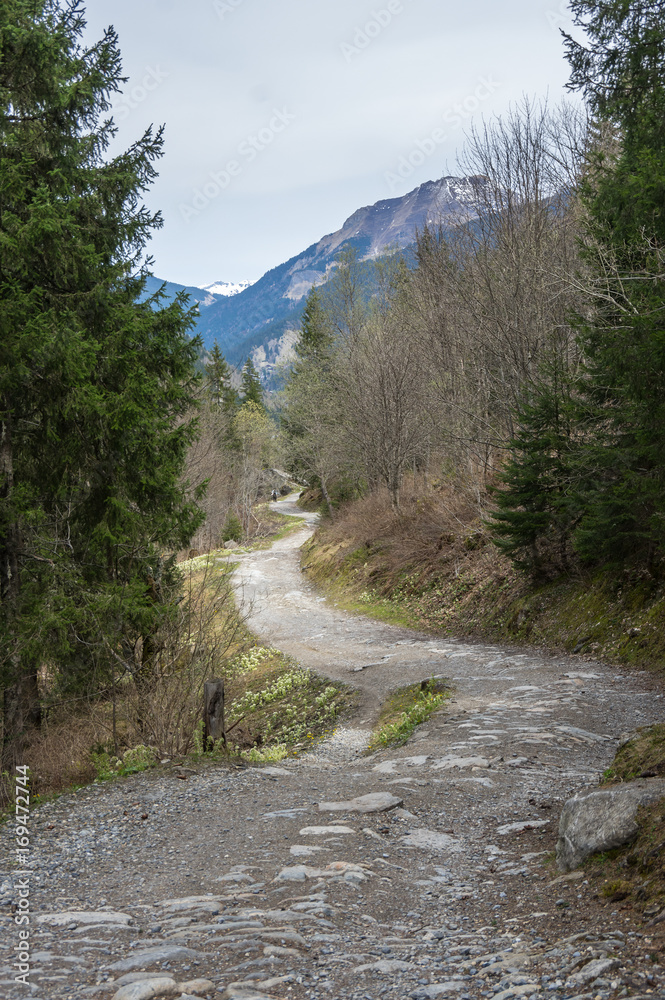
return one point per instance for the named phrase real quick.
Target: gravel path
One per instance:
(237, 883)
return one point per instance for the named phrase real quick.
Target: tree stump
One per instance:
(213, 712)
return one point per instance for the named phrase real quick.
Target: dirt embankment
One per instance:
(435, 567)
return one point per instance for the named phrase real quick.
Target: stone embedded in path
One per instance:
(245, 991)
(324, 831)
(162, 986)
(67, 917)
(525, 990)
(386, 966)
(338, 869)
(527, 824)
(430, 840)
(598, 967)
(192, 902)
(298, 873)
(386, 767)
(150, 956)
(439, 989)
(450, 761)
(375, 802)
(147, 989)
(600, 819)
(305, 851)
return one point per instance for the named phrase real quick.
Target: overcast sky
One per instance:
(285, 116)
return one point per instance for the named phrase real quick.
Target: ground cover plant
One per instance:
(434, 567)
(406, 709)
(633, 876)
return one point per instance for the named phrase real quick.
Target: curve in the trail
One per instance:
(375, 658)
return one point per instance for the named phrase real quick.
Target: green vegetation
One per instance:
(635, 874)
(434, 568)
(276, 709)
(642, 756)
(406, 709)
(97, 388)
(587, 468)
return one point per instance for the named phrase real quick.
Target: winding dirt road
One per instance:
(267, 883)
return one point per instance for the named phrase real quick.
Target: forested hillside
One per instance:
(519, 369)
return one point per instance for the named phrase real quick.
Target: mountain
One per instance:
(227, 287)
(262, 318)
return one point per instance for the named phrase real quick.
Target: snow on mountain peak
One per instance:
(226, 287)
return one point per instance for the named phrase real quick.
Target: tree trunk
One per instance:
(213, 713)
(326, 497)
(21, 709)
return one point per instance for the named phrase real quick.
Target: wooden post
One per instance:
(213, 712)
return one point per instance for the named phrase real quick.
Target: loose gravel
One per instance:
(232, 882)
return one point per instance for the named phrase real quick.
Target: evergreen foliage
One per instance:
(218, 378)
(316, 338)
(535, 507)
(614, 506)
(95, 386)
(252, 391)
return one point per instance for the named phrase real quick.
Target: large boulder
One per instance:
(600, 819)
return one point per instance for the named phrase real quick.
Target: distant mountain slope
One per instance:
(261, 318)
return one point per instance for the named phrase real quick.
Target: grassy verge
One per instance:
(273, 708)
(406, 709)
(276, 526)
(633, 877)
(435, 568)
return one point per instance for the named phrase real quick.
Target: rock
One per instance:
(385, 965)
(591, 971)
(439, 989)
(133, 977)
(148, 988)
(276, 951)
(150, 956)
(298, 873)
(375, 802)
(193, 902)
(305, 851)
(244, 991)
(231, 544)
(197, 986)
(450, 760)
(84, 917)
(429, 839)
(529, 824)
(601, 819)
(517, 991)
(324, 831)
(285, 937)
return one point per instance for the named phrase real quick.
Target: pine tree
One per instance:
(95, 386)
(535, 513)
(621, 70)
(316, 337)
(218, 374)
(252, 391)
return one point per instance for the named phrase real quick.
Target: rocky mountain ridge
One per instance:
(261, 318)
